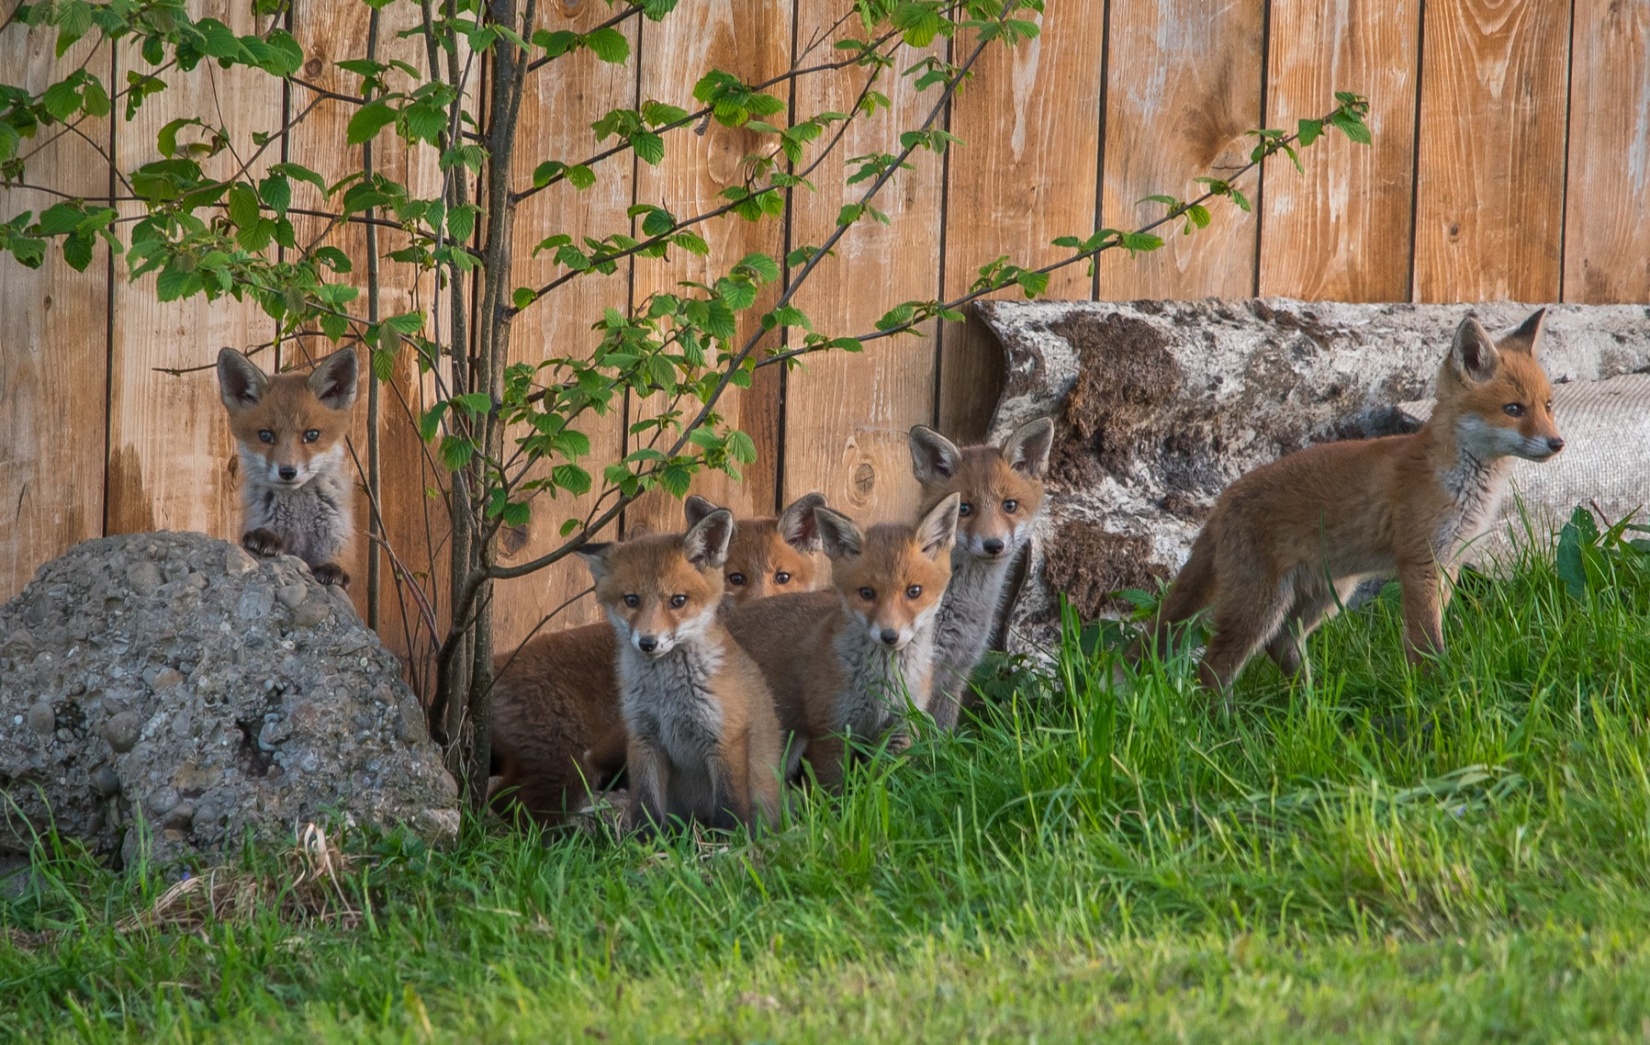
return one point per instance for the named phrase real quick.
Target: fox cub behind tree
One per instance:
(291, 429)
(1287, 543)
(703, 737)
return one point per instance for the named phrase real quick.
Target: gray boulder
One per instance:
(170, 687)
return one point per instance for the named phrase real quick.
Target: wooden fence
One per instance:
(1511, 139)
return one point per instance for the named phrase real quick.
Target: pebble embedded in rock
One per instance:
(144, 577)
(42, 719)
(165, 678)
(122, 731)
(106, 780)
(312, 611)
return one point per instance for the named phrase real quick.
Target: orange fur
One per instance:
(1287, 543)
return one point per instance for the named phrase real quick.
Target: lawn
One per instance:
(1381, 854)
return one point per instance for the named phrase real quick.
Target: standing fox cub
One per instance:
(1002, 491)
(703, 738)
(1287, 543)
(291, 431)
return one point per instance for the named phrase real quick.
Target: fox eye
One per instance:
(782, 577)
(1011, 506)
(678, 601)
(312, 435)
(1514, 409)
(914, 591)
(868, 594)
(736, 579)
(965, 509)
(632, 601)
(265, 436)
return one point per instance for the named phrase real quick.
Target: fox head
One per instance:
(663, 589)
(1000, 487)
(769, 556)
(891, 577)
(289, 426)
(1495, 395)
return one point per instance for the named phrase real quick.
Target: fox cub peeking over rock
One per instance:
(290, 429)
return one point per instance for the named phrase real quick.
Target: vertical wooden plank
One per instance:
(1606, 239)
(172, 462)
(54, 340)
(1183, 87)
(752, 40)
(846, 416)
(563, 99)
(1489, 191)
(1342, 229)
(330, 33)
(1031, 122)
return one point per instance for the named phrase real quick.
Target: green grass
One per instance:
(1384, 855)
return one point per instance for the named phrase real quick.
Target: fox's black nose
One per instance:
(288, 472)
(993, 546)
(889, 636)
(1555, 444)
(647, 643)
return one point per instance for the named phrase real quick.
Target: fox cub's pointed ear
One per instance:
(797, 525)
(595, 555)
(840, 537)
(333, 381)
(695, 508)
(934, 458)
(1527, 338)
(706, 542)
(938, 529)
(240, 383)
(1027, 448)
(1473, 355)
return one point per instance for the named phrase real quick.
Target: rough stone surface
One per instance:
(169, 678)
(1161, 404)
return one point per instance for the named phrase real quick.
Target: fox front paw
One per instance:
(332, 575)
(263, 543)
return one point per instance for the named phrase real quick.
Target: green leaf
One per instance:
(1309, 130)
(243, 205)
(581, 176)
(456, 452)
(61, 99)
(571, 478)
(741, 447)
(556, 44)
(1139, 242)
(368, 121)
(609, 45)
(430, 423)
(522, 297)
(59, 218)
(649, 147)
(276, 192)
(461, 222)
(77, 251)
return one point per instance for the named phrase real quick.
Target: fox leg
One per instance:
(1313, 605)
(649, 777)
(825, 756)
(1247, 617)
(1192, 589)
(730, 784)
(262, 543)
(1423, 597)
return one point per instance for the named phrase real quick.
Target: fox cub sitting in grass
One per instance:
(291, 429)
(1286, 544)
(703, 737)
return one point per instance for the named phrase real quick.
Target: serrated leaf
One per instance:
(456, 452)
(608, 44)
(243, 205)
(368, 121)
(1309, 130)
(571, 478)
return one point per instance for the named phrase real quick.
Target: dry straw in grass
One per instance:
(310, 891)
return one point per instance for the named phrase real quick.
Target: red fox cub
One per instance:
(1002, 492)
(769, 556)
(557, 695)
(850, 669)
(703, 737)
(291, 431)
(1286, 543)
